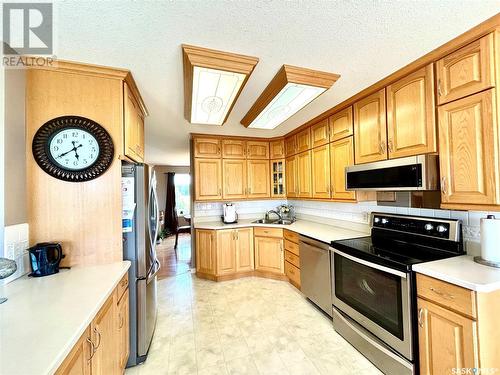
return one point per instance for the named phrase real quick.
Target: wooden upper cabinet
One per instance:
(133, 127)
(226, 252)
(103, 331)
(321, 172)
(290, 145)
(304, 175)
(208, 179)
(468, 150)
(370, 135)
(341, 156)
(320, 133)
(467, 70)
(259, 179)
(303, 140)
(291, 176)
(207, 147)
(341, 124)
(447, 340)
(257, 150)
(411, 125)
(206, 251)
(234, 174)
(277, 149)
(233, 149)
(244, 250)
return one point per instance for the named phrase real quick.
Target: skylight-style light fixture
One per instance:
(213, 81)
(291, 89)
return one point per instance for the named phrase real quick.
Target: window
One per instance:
(182, 199)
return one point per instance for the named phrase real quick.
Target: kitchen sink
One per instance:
(276, 221)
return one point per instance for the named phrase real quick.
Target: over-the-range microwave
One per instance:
(419, 172)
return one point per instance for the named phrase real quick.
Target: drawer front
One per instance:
(292, 247)
(122, 287)
(293, 273)
(292, 258)
(291, 236)
(448, 295)
(268, 232)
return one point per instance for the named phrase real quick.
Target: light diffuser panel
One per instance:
(213, 94)
(289, 101)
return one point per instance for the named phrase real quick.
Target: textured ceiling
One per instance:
(362, 40)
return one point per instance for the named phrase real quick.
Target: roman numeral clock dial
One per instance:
(73, 148)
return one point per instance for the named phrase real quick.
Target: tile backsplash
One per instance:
(245, 209)
(16, 239)
(360, 213)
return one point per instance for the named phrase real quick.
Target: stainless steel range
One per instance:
(373, 285)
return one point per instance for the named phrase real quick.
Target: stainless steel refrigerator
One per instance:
(140, 230)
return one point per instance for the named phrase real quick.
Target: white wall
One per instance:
(15, 147)
(2, 140)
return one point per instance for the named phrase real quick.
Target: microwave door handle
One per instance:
(370, 264)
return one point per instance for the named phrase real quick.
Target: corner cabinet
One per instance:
(278, 176)
(103, 349)
(370, 135)
(133, 126)
(269, 251)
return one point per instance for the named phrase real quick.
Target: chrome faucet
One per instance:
(273, 212)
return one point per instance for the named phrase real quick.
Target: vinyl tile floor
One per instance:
(248, 326)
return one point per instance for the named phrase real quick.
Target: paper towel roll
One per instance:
(490, 239)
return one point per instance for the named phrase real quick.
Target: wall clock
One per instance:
(73, 148)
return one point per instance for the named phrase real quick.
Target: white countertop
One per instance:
(322, 232)
(462, 271)
(44, 317)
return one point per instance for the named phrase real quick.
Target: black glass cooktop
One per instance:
(391, 252)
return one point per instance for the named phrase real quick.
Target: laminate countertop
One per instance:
(44, 317)
(462, 271)
(321, 232)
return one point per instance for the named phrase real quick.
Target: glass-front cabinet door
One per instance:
(278, 178)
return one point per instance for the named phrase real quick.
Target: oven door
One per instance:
(376, 297)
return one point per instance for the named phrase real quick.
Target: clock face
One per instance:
(74, 149)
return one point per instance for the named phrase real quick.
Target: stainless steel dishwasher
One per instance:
(315, 280)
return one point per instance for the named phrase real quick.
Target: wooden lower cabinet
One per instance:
(103, 349)
(457, 328)
(292, 257)
(78, 360)
(123, 330)
(269, 255)
(222, 253)
(244, 250)
(206, 252)
(447, 340)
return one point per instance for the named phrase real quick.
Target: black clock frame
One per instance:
(41, 152)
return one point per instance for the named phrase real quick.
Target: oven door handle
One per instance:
(370, 264)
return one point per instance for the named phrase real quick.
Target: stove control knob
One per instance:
(385, 221)
(428, 227)
(441, 228)
(376, 220)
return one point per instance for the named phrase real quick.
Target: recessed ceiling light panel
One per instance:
(288, 92)
(213, 81)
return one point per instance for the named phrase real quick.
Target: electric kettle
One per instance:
(230, 215)
(45, 258)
